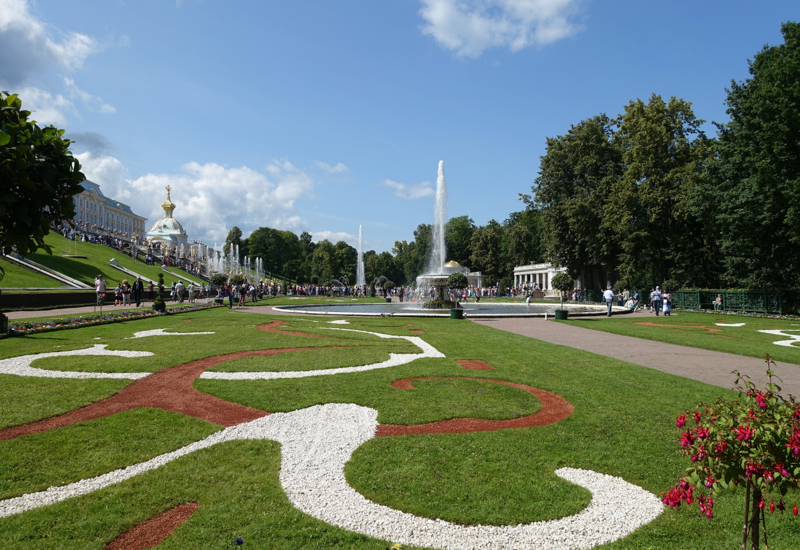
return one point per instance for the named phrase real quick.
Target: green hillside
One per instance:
(19, 277)
(96, 262)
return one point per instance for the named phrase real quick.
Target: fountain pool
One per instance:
(413, 309)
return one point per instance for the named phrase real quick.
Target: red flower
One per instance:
(744, 433)
(681, 421)
(697, 416)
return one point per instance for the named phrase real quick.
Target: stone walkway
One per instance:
(711, 367)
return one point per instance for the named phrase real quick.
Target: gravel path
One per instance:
(711, 367)
(318, 441)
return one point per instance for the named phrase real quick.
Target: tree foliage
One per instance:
(39, 177)
(755, 180)
(575, 179)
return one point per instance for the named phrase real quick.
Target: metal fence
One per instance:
(761, 301)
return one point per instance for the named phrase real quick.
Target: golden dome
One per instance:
(168, 205)
(452, 263)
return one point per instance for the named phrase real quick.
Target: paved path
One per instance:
(711, 367)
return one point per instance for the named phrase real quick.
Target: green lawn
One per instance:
(19, 277)
(701, 330)
(97, 262)
(622, 424)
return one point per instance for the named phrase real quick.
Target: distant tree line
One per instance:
(493, 249)
(654, 200)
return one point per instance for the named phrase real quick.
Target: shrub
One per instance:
(564, 283)
(457, 281)
(752, 442)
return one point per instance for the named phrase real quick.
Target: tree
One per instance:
(575, 179)
(755, 180)
(562, 282)
(39, 176)
(486, 250)
(457, 237)
(457, 281)
(649, 209)
(234, 239)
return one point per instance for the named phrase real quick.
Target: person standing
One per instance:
(100, 289)
(667, 299)
(150, 289)
(608, 298)
(138, 288)
(191, 291)
(126, 293)
(657, 300)
(179, 290)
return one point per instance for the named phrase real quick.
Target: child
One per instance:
(118, 295)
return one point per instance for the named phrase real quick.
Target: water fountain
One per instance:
(361, 280)
(432, 285)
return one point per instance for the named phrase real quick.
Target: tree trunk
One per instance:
(755, 518)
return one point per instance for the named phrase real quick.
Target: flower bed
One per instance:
(20, 328)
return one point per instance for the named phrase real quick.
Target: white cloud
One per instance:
(91, 101)
(26, 48)
(338, 168)
(45, 107)
(469, 27)
(332, 236)
(410, 192)
(210, 198)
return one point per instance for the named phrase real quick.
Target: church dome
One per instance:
(167, 229)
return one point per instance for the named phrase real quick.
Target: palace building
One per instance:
(93, 208)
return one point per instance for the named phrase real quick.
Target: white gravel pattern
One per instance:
(795, 338)
(21, 366)
(160, 332)
(317, 442)
(395, 359)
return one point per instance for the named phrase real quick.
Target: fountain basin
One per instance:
(412, 309)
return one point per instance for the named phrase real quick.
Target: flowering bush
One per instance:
(752, 442)
(19, 328)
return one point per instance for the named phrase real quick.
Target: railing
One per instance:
(762, 301)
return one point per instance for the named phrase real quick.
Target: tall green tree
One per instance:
(487, 251)
(755, 179)
(575, 179)
(649, 210)
(39, 177)
(234, 238)
(457, 237)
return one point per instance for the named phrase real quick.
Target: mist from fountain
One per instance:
(361, 280)
(438, 253)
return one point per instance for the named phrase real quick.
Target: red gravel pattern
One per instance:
(170, 389)
(474, 365)
(554, 409)
(275, 325)
(155, 530)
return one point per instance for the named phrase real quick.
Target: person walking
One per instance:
(126, 293)
(191, 291)
(138, 288)
(100, 289)
(117, 295)
(608, 298)
(657, 300)
(179, 290)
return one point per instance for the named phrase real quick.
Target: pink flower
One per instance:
(681, 421)
(743, 433)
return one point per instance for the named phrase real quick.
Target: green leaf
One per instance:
(4, 138)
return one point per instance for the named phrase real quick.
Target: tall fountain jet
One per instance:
(360, 277)
(438, 253)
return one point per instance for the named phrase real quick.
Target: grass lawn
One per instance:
(19, 277)
(706, 331)
(97, 262)
(622, 424)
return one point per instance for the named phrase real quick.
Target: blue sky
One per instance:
(321, 116)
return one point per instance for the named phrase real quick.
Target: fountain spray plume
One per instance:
(360, 277)
(437, 254)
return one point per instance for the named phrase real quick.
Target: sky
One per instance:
(321, 116)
